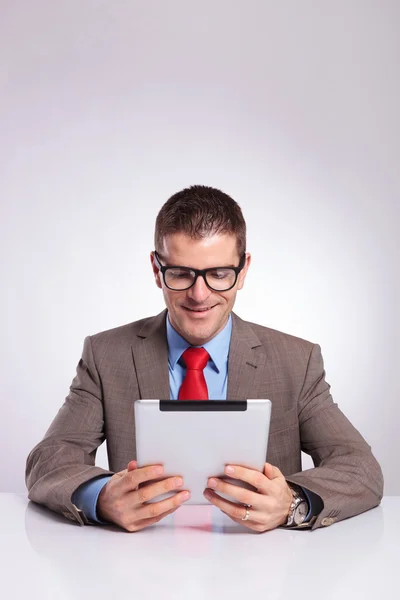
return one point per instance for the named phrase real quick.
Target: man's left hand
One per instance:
(268, 506)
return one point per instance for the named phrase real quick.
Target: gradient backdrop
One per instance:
(108, 108)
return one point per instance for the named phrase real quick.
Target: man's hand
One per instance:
(268, 507)
(122, 501)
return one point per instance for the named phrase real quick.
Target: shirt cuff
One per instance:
(86, 495)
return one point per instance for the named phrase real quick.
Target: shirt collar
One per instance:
(217, 348)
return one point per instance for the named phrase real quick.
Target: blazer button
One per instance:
(327, 521)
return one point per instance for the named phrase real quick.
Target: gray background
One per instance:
(107, 108)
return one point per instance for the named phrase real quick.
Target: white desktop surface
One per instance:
(196, 553)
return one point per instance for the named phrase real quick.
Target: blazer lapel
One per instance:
(150, 357)
(246, 359)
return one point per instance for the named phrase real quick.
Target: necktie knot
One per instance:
(195, 358)
(194, 386)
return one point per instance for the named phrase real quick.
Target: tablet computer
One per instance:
(196, 439)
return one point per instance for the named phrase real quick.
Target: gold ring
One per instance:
(246, 516)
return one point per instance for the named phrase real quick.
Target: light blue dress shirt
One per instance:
(216, 376)
(216, 370)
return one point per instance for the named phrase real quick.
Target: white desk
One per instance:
(197, 553)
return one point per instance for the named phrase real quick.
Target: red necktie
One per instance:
(194, 385)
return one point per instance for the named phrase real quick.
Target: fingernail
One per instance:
(158, 470)
(185, 496)
(178, 481)
(230, 470)
(212, 483)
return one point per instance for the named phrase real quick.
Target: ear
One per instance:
(243, 272)
(156, 271)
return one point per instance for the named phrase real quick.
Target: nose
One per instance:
(199, 292)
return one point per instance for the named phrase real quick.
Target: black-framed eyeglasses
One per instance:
(218, 279)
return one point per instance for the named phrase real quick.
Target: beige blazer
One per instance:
(130, 362)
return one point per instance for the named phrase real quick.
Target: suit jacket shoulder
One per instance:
(288, 353)
(274, 336)
(128, 331)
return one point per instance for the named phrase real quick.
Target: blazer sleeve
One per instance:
(346, 475)
(65, 458)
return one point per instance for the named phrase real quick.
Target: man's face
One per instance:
(183, 306)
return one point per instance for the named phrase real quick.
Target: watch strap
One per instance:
(298, 497)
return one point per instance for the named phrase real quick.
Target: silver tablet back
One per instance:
(197, 439)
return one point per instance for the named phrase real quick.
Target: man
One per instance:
(200, 262)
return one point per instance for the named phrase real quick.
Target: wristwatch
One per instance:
(299, 507)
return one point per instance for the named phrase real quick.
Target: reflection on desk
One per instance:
(196, 553)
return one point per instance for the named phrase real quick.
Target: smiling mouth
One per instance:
(205, 309)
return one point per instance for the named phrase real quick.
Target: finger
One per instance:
(132, 479)
(272, 472)
(254, 478)
(233, 510)
(254, 525)
(147, 522)
(155, 509)
(150, 491)
(235, 491)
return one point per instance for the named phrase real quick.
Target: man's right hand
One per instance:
(123, 502)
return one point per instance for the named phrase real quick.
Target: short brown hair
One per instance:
(200, 211)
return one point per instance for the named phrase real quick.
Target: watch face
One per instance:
(300, 513)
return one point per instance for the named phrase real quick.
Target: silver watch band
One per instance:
(299, 498)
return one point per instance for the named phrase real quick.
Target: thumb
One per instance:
(272, 472)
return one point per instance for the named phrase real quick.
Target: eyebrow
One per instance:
(187, 267)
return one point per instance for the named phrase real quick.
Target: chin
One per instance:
(196, 335)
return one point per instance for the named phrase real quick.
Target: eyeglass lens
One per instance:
(218, 279)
